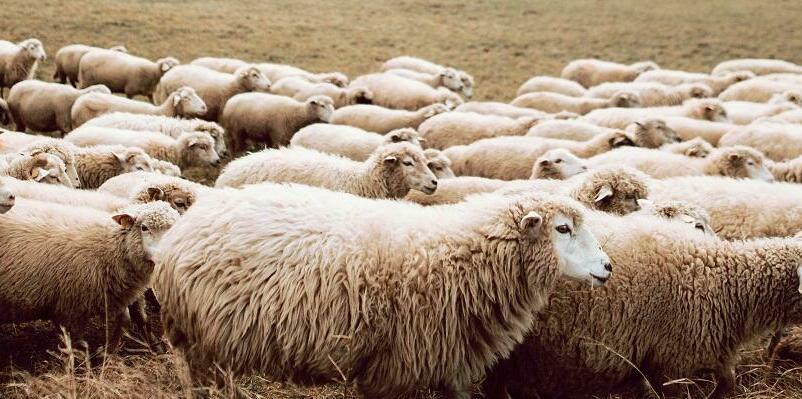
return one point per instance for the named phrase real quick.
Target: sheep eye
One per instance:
(750, 163)
(407, 163)
(144, 228)
(558, 160)
(563, 229)
(700, 226)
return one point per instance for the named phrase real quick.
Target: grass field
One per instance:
(501, 43)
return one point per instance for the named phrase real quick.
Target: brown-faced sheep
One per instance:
(41, 167)
(189, 149)
(97, 164)
(183, 102)
(675, 78)
(214, 88)
(69, 57)
(18, 61)
(502, 109)
(179, 193)
(122, 72)
(702, 109)
(758, 66)
(524, 239)
(102, 266)
(591, 72)
(556, 102)
(438, 163)
(696, 147)
(653, 94)
(457, 128)
(558, 164)
(374, 118)
(348, 141)
(45, 107)
(759, 90)
(552, 85)
(225, 65)
(421, 65)
(276, 72)
(448, 78)
(396, 92)
(777, 140)
(269, 119)
(390, 172)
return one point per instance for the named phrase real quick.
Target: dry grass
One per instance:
(501, 43)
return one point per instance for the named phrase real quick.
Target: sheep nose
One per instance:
(434, 182)
(608, 267)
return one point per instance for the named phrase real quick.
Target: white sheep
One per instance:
(374, 118)
(183, 102)
(438, 163)
(421, 65)
(578, 130)
(690, 128)
(214, 88)
(42, 167)
(128, 185)
(19, 61)
(122, 72)
(559, 164)
(746, 112)
(552, 85)
(556, 102)
(225, 65)
(448, 78)
(69, 57)
(502, 109)
(758, 90)
(777, 140)
(716, 82)
(45, 107)
(456, 128)
(758, 66)
(348, 141)
(390, 172)
(396, 92)
(591, 72)
(696, 147)
(703, 109)
(653, 94)
(276, 72)
(58, 194)
(302, 89)
(97, 164)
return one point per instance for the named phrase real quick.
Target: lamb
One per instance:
(501, 109)
(555, 102)
(746, 112)
(276, 72)
(424, 66)
(122, 72)
(214, 88)
(702, 109)
(374, 118)
(717, 83)
(777, 140)
(759, 90)
(45, 107)
(487, 233)
(19, 61)
(270, 119)
(559, 164)
(101, 267)
(594, 342)
(188, 150)
(689, 128)
(172, 127)
(653, 94)
(592, 72)
(552, 85)
(390, 172)
(347, 141)
(696, 147)
(97, 164)
(69, 57)
(183, 102)
(41, 167)
(511, 157)
(225, 65)
(438, 163)
(447, 77)
(396, 92)
(737, 162)
(56, 194)
(758, 66)
(459, 128)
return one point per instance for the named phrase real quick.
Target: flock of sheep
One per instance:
(619, 226)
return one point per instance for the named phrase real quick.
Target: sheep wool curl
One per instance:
(384, 303)
(122, 72)
(787, 171)
(102, 266)
(183, 102)
(597, 342)
(592, 72)
(438, 163)
(552, 85)
(270, 119)
(18, 61)
(374, 118)
(68, 58)
(390, 172)
(460, 128)
(347, 141)
(396, 92)
(45, 107)
(558, 164)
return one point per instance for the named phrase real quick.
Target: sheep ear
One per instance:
(176, 99)
(39, 174)
(646, 205)
(692, 152)
(155, 193)
(530, 224)
(734, 157)
(125, 220)
(620, 140)
(120, 156)
(604, 192)
(165, 67)
(390, 160)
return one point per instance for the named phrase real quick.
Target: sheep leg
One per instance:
(139, 319)
(775, 340)
(123, 320)
(726, 383)
(455, 391)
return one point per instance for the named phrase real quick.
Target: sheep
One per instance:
(787, 171)
(122, 72)
(552, 85)
(592, 72)
(653, 94)
(456, 128)
(390, 172)
(556, 102)
(101, 266)
(276, 72)
(456, 189)
(42, 167)
(501, 109)
(7, 197)
(396, 92)
(746, 112)
(183, 102)
(777, 140)
(424, 66)
(180, 196)
(225, 65)
(758, 66)
(270, 119)
(438, 163)
(702, 109)
(172, 127)
(737, 162)
(302, 89)
(690, 214)
(447, 77)
(61, 149)
(45, 107)
(689, 128)
(56, 194)
(127, 185)
(592, 343)
(68, 58)
(793, 96)
(717, 83)
(347, 141)
(759, 90)
(165, 168)
(97, 164)
(19, 61)
(523, 239)
(559, 164)
(577, 130)
(511, 157)
(790, 116)
(696, 147)
(214, 88)
(189, 149)
(374, 118)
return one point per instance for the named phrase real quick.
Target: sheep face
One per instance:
(613, 190)
(740, 76)
(434, 109)
(34, 49)
(742, 163)
(467, 84)
(400, 135)
(578, 252)
(166, 64)
(625, 99)
(558, 164)
(145, 224)
(360, 95)
(252, 79)
(133, 160)
(438, 163)
(790, 96)
(652, 133)
(218, 134)
(7, 199)
(714, 112)
(450, 99)
(692, 215)
(179, 198)
(404, 165)
(50, 169)
(199, 149)
(336, 78)
(698, 90)
(320, 107)
(96, 89)
(449, 77)
(187, 102)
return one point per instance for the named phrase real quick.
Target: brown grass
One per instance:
(501, 43)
